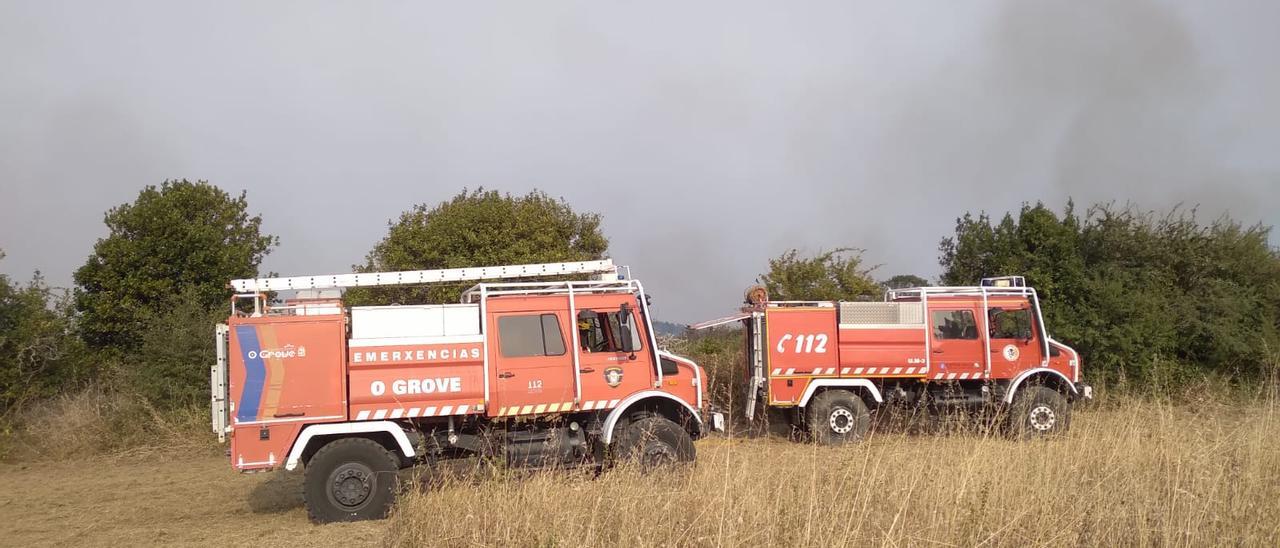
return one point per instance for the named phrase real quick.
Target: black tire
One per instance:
(351, 479)
(654, 442)
(1039, 411)
(783, 422)
(836, 417)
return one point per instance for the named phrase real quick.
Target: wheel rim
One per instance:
(656, 453)
(1042, 418)
(841, 420)
(351, 485)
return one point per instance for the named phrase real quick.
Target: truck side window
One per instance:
(954, 324)
(530, 335)
(600, 331)
(591, 333)
(1010, 324)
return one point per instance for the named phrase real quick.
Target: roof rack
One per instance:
(957, 291)
(475, 293)
(411, 277)
(1002, 286)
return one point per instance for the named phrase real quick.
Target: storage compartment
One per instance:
(415, 321)
(881, 314)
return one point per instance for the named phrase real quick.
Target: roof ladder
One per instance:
(411, 277)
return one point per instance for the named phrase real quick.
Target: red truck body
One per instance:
(538, 373)
(940, 346)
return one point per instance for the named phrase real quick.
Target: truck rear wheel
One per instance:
(838, 416)
(653, 442)
(1039, 411)
(350, 479)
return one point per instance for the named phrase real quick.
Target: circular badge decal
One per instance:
(1010, 352)
(613, 376)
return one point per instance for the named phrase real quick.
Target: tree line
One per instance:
(1141, 294)
(140, 316)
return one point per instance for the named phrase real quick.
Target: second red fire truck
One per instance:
(825, 366)
(535, 374)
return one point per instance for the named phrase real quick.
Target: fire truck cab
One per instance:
(532, 374)
(825, 366)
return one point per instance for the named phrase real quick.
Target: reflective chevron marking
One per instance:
(412, 412)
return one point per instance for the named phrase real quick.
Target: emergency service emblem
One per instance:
(1010, 352)
(613, 376)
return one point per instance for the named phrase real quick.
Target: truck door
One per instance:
(532, 368)
(609, 373)
(1015, 347)
(956, 345)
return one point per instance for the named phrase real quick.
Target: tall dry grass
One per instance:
(1139, 473)
(95, 421)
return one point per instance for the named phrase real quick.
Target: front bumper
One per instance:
(1086, 391)
(717, 421)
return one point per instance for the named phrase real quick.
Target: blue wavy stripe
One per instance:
(255, 373)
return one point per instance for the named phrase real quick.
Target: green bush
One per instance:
(721, 352)
(39, 352)
(171, 369)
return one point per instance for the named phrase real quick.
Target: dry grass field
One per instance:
(1130, 474)
(161, 499)
(1139, 474)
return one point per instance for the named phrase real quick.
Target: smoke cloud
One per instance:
(710, 136)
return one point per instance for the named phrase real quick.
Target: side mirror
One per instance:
(627, 335)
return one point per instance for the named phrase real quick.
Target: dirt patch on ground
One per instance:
(175, 499)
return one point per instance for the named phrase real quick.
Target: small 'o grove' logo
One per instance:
(288, 351)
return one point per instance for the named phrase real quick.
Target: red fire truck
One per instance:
(825, 366)
(534, 374)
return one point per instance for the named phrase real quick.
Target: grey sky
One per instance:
(711, 136)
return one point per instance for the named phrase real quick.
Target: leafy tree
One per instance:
(1145, 295)
(828, 276)
(904, 280)
(39, 354)
(478, 228)
(181, 236)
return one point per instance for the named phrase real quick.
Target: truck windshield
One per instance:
(1010, 324)
(599, 331)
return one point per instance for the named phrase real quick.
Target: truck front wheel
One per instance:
(1039, 411)
(350, 479)
(838, 416)
(654, 442)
